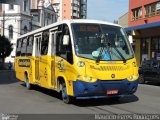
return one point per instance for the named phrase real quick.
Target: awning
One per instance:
(149, 25)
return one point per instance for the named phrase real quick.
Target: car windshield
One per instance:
(99, 40)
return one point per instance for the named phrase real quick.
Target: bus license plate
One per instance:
(112, 92)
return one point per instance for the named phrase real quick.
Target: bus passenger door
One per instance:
(52, 67)
(37, 56)
(43, 59)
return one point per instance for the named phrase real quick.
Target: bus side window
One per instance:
(18, 50)
(23, 46)
(63, 50)
(44, 43)
(29, 46)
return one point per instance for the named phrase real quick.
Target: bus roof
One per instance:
(68, 22)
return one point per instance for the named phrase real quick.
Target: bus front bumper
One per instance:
(98, 89)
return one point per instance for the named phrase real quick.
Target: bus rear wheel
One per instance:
(65, 97)
(27, 84)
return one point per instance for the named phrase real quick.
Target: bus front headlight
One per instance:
(86, 78)
(133, 77)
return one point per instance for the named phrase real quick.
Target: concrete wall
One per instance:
(123, 20)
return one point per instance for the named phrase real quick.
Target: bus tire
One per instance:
(27, 84)
(65, 97)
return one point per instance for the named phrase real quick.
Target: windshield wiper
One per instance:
(124, 60)
(100, 54)
(106, 43)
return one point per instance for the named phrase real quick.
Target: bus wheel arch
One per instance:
(63, 90)
(26, 80)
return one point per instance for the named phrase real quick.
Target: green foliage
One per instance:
(5, 47)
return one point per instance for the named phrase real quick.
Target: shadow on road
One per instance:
(107, 101)
(153, 83)
(87, 102)
(7, 77)
(49, 92)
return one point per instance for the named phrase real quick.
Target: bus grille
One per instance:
(110, 68)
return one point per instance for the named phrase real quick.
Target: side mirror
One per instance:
(66, 40)
(130, 38)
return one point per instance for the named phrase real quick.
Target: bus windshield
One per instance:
(100, 41)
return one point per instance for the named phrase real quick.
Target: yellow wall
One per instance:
(123, 20)
(138, 51)
(149, 48)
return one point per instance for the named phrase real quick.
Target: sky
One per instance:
(106, 10)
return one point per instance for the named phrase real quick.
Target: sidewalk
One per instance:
(5, 67)
(7, 77)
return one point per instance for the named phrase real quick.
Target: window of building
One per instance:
(152, 9)
(0, 7)
(30, 26)
(74, 11)
(10, 32)
(25, 5)
(158, 8)
(147, 11)
(11, 6)
(25, 29)
(137, 13)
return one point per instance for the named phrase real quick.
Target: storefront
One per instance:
(147, 41)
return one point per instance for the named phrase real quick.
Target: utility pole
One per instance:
(3, 22)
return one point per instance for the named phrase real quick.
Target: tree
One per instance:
(5, 47)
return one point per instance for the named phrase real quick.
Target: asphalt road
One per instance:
(15, 98)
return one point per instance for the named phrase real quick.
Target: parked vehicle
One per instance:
(149, 71)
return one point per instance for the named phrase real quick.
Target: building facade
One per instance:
(123, 20)
(24, 17)
(70, 9)
(144, 25)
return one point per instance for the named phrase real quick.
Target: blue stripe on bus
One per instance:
(99, 88)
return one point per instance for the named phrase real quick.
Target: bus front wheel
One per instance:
(65, 97)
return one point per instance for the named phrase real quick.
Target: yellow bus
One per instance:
(81, 59)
